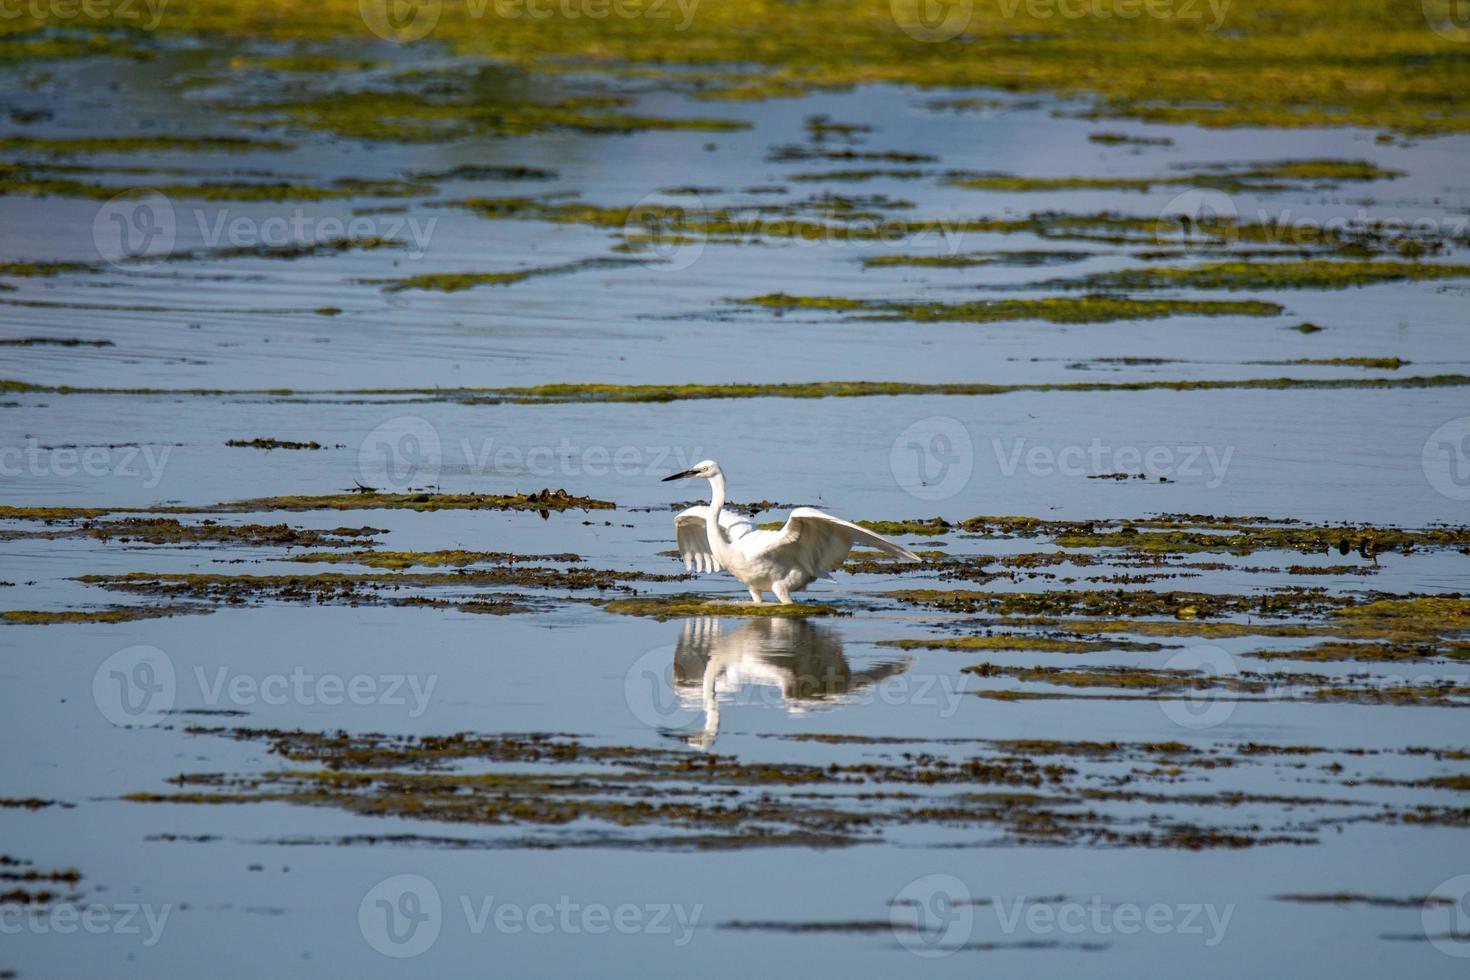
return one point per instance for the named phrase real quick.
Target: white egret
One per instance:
(810, 546)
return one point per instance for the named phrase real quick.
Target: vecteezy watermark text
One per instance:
(138, 687)
(937, 915)
(94, 918)
(406, 21)
(407, 450)
(146, 14)
(403, 916)
(67, 462)
(1098, 458)
(141, 231)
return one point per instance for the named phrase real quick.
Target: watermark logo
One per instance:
(660, 234)
(1206, 707)
(932, 21)
(933, 459)
(401, 452)
(401, 21)
(933, 916)
(401, 916)
(139, 231)
(135, 687)
(1446, 917)
(648, 690)
(1446, 459)
(1188, 213)
(1450, 19)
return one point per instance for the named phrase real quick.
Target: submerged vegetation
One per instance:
(666, 607)
(1316, 274)
(450, 282)
(546, 790)
(1286, 175)
(553, 394)
(1097, 308)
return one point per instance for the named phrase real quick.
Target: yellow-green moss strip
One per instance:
(599, 393)
(1053, 309)
(1247, 63)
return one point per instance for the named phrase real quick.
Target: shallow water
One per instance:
(276, 885)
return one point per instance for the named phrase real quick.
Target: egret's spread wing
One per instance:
(693, 539)
(818, 543)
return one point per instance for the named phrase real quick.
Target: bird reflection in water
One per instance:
(790, 662)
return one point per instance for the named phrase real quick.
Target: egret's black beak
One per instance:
(677, 476)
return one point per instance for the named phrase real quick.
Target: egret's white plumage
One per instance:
(690, 531)
(810, 546)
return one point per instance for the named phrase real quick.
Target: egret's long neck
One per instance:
(718, 542)
(716, 498)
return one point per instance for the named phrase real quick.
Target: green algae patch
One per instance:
(595, 393)
(1164, 685)
(36, 270)
(923, 527)
(1024, 258)
(269, 444)
(397, 560)
(1409, 615)
(259, 250)
(1241, 538)
(1276, 64)
(668, 607)
(12, 513)
(858, 174)
(169, 531)
(1110, 138)
(115, 614)
(547, 790)
(308, 63)
(1288, 175)
(1123, 602)
(806, 152)
(1098, 308)
(452, 282)
(367, 588)
(545, 500)
(1118, 677)
(52, 342)
(32, 180)
(1311, 274)
(158, 143)
(831, 217)
(1370, 652)
(434, 107)
(1367, 363)
(1038, 644)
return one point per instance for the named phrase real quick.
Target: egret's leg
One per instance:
(755, 595)
(783, 595)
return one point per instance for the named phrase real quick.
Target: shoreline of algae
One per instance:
(598, 393)
(1271, 63)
